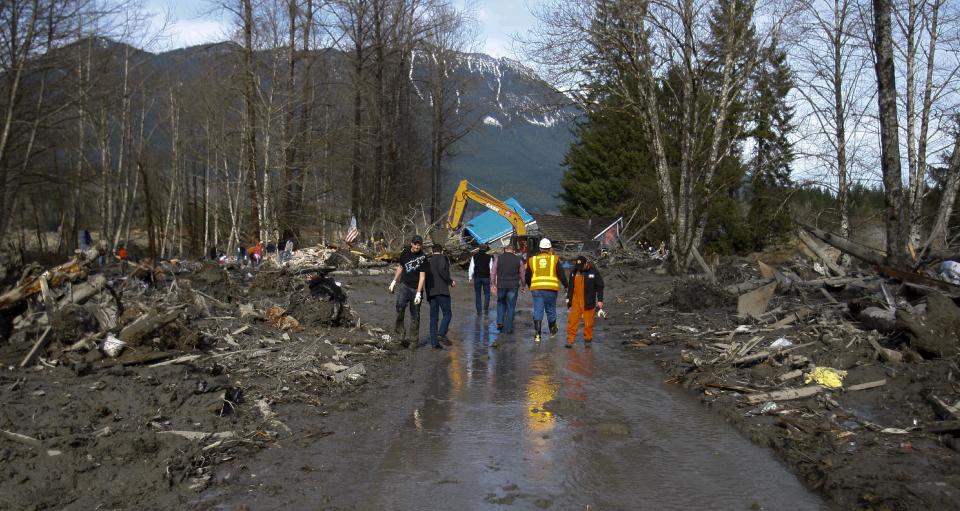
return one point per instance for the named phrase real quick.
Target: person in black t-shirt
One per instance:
(411, 274)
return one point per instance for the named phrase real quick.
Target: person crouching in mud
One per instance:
(411, 274)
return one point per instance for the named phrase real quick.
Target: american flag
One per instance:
(352, 232)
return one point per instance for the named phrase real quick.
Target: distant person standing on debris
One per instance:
(544, 276)
(287, 250)
(256, 252)
(584, 296)
(411, 274)
(438, 284)
(86, 241)
(481, 265)
(507, 280)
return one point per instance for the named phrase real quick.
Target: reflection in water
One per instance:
(541, 388)
(456, 369)
(578, 371)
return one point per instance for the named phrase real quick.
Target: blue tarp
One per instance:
(489, 226)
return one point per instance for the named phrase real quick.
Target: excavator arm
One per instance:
(465, 193)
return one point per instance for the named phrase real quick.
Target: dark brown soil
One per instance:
(833, 441)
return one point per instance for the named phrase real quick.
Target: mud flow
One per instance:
(497, 421)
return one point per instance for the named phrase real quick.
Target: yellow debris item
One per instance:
(826, 376)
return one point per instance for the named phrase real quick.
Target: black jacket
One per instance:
(438, 276)
(592, 287)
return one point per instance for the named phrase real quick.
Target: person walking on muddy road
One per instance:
(544, 276)
(411, 274)
(507, 281)
(584, 296)
(481, 264)
(438, 285)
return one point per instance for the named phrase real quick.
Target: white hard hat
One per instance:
(545, 243)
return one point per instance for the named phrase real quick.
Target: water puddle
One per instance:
(506, 422)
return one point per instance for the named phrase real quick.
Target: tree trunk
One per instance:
(895, 214)
(937, 238)
(250, 127)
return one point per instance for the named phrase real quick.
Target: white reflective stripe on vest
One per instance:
(544, 269)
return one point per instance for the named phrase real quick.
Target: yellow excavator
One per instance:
(466, 192)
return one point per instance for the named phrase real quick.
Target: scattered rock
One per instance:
(876, 318)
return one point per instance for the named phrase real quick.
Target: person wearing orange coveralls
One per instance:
(584, 296)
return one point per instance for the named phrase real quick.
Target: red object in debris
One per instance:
(906, 446)
(122, 254)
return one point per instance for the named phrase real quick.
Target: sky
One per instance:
(195, 22)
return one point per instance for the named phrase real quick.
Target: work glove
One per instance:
(602, 314)
(393, 284)
(417, 299)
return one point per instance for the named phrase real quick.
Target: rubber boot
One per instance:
(536, 329)
(414, 334)
(553, 328)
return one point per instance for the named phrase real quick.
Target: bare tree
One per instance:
(830, 58)
(450, 120)
(632, 46)
(925, 47)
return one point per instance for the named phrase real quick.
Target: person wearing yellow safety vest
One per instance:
(544, 277)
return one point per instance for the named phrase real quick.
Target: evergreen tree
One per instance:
(772, 122)
(608, 168)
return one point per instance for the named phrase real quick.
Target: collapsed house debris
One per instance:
(152, 374)
(849, 373)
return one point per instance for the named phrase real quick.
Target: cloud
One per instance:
(197, 31)
(498, 47)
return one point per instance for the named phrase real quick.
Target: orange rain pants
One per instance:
(576, 313)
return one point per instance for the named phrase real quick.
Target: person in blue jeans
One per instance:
(438, 284)
(507, 282)
(481, 264)
(544, 276)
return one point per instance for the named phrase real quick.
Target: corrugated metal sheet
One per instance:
(489, 226)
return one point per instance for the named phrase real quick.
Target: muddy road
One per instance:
(496, 421)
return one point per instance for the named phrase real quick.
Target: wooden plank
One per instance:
(796, 373)
(146, 324)
(793, 317)
(133, 358)
(755, 303)
(21, 439)
(765, 270)
(37, 346)
(736, 388)
(785, 395)
(178, 360)
(867, 385)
